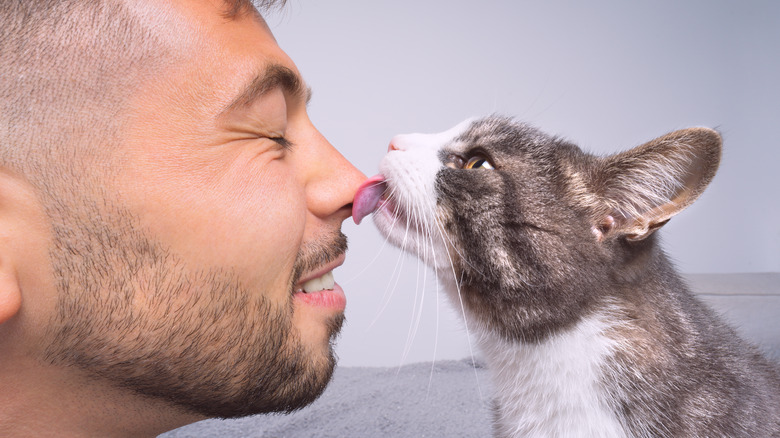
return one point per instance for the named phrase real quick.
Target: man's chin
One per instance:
(314, 367)
(334, 329)
(317, 325)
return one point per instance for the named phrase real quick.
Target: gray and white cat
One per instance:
(586, 327)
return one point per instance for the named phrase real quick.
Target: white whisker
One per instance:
(368, 265)
(397, 269)
(462, 306)
(429, 233)
(418, 217)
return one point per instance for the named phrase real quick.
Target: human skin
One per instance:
(235, 219)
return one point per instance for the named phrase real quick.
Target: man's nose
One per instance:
(333, 189)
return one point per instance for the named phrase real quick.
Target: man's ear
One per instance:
(10, 294)
(641, 189)
(15, 197)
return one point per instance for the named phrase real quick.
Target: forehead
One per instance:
(210, 34)
(214, 56)
(177, 20)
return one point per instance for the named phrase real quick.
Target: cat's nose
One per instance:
(393, 146)
(400, 143)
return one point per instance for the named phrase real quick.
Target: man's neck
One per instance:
(38, 400)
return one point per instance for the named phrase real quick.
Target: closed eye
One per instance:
(283, 142)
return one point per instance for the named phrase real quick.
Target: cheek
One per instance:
(260, 224)
(248, 221)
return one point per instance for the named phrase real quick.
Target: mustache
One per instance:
(317, 253)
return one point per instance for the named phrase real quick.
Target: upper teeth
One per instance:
(321, 283)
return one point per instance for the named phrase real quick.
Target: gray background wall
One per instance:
(606, 74)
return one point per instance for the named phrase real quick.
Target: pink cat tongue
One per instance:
(367, 197)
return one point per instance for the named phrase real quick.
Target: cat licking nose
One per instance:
(367, 197)
(585, 325)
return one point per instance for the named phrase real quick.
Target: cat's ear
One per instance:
(641, 189)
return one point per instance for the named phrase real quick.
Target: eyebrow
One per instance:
(274, 76)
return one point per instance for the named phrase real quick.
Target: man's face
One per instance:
(182, 278)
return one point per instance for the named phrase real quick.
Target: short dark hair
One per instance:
(67, 68)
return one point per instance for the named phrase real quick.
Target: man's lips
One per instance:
(319, 272)
(332, 299)
(323, 291)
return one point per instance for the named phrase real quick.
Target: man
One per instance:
(169, 218)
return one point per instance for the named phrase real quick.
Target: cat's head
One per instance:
(527, 224)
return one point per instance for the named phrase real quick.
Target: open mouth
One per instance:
(323, 282)
(319, 278)
(318, 288)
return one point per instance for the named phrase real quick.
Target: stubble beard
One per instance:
(202, 342)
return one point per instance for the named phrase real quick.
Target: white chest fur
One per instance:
(553, 389)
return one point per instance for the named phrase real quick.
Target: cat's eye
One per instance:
(478, 162)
